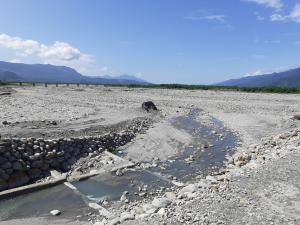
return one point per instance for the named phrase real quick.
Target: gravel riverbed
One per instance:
(260, 184)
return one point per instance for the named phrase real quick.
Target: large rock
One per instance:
(3, 184)
(65, 166)
(2, 160)
(37, 164)
(17, 179)
(55, 212)
(3, 149)
(149, 208)
(297, 116)
(4, 146)
(45, 166)
(34, 173)
(17, 166)
(6, 165)
(114, 221)
(191, 188)
(5, 122)
(161, 211)
(149, 106)
(161, 202)
(3, 174)
(170, 195)
(127, 216)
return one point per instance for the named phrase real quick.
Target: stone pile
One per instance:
(271, 147)
(25, 160)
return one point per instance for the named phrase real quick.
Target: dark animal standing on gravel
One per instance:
(149, 106)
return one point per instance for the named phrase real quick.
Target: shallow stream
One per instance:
(211, 143)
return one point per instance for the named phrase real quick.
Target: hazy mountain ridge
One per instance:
(289, 78)
(123, 78)
(60, 74)
(9, 76)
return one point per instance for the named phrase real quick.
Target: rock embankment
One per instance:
(26, 160)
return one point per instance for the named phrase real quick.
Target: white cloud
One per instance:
(205, 15)
(273, 42)
(277, 17)
(104, 68)
(59, 53)
(259, 72)
(59, 50)
(275, 4)
(259, 17)
(294, 15)
(15, 61)
(219, 18)
(138, 74)
(270, 71)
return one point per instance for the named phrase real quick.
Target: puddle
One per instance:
(40, 203)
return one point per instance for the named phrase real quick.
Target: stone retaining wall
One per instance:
(25, 160)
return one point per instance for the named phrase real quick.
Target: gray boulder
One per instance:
(17, 179)
(6, 165)
(3, 184)
(149, 106)
(17, 166)
(34, 173)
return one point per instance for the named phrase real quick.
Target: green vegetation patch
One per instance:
(218, 88)
(2, 83)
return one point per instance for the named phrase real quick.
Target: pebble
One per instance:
(124, 196)
(119, 172)
(142, 194)
(55, 212)
(114, 221)
(170, 195)
(126, 216)
(191, 188)
(161, 211)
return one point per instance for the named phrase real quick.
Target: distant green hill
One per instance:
(57, 74)
(290, 78)
(9, 76)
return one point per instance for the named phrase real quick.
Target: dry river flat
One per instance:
(267, 193)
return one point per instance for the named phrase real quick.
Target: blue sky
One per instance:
(163, 41)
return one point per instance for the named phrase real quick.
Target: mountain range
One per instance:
(289, 78)
(21, 72)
